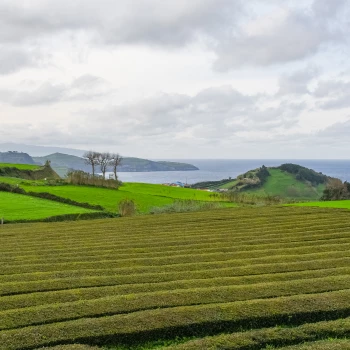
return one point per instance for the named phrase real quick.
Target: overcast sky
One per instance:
(178, 78)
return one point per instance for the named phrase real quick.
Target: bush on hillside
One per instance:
(250, 199)
(185, 206)
(127, 207)
(336, 190)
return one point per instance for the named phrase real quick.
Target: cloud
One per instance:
(13, 59)
(160, 22)
(334, 94)
(215, 113)
(297, 82)
(282, 36)
(227, 28)
(86, 87)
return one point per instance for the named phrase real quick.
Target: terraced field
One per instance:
(229, 279)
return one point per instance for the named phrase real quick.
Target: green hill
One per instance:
(289, 181)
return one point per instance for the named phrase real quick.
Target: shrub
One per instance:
(127, 207)
(79, 177)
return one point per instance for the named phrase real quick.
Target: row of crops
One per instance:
(247, 278)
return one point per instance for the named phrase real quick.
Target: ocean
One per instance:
(210, 169)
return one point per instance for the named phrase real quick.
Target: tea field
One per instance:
(242, 278)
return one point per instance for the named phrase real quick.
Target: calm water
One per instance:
(225, 168)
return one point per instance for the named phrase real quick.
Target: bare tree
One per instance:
(116, 159)
(91, 158)
(103, 161)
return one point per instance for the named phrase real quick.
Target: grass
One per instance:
(168, 191)
(20, 166)
(244, 278)
(283, 184)
(145, 196)
(15, 207)
(345, 204)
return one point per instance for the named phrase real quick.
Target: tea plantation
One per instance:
(243, 278)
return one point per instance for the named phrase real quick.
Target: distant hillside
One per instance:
(16, 158)
(38, 151)
(60, 161)
(286, 181)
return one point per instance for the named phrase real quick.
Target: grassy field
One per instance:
(20, 166)
(146, 196)
(345, 204)
(283, 184)
(246, 278)
(14, 207)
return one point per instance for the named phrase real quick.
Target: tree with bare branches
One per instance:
(104, 160)
(115, 161)
(91, 158)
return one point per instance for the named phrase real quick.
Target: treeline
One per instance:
(304, 174)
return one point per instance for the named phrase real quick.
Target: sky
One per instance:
(178, 79)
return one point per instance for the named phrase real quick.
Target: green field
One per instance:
(285, 185)
(146, 196)
(345, 204)
(244, 278)
(14, 207)
(20, 166)
(168, 191)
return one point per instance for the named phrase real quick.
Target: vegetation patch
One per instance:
(29, 172)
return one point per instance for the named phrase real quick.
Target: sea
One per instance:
(218, 169)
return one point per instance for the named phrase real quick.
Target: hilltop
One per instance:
(28, 171)
(286, 181)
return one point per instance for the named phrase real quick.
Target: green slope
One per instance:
(285, 185)
(27, 171)
(20, 166)
(345, 204)
(19, 207)
(145, 196)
